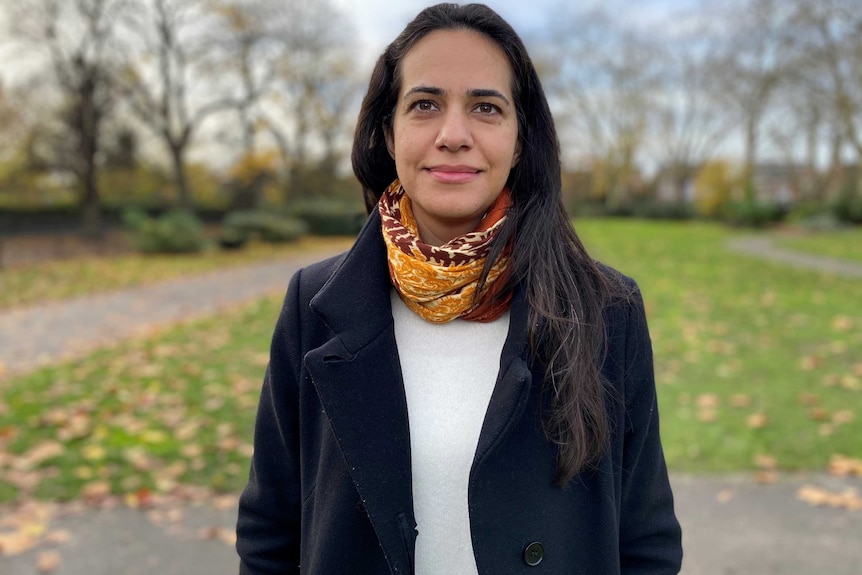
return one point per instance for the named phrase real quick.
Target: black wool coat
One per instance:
(330, 483)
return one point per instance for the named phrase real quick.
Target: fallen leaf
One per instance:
(96, 490)
(57, 537)
(226, 536)
(707, 415)
(842, 323)
(740, 400)
(225, 502)
(47, 561)
(707, 400)
(766, 476)
(818, 414)
(40, 453)
(764, 461)
(843, 417)
(809, 399)
(94, 453)
(15, 543)
(851, 382)
(818, 497)
(140, 499)
(757, 420)
(841, 466)
(725, 495)
(810, 362)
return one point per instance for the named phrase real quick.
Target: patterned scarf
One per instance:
(439, 282)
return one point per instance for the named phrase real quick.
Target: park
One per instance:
(139, 288)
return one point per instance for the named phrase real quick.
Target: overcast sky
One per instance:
(378, 22)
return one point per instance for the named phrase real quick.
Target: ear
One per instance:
(390, 139)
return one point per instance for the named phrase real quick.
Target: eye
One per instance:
(424, 106)
(487, 109)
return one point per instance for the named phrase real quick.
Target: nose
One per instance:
(454, 133)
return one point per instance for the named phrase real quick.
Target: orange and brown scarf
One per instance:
(439, 282)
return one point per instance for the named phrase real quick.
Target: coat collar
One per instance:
(357, 375)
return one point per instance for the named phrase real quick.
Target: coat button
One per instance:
(534, 553)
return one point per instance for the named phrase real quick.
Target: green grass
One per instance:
(752, 359)
(141, 417)
(32, 284)
(844, 244)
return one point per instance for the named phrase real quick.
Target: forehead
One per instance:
(456, 60)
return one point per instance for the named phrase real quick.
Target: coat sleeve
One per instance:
(268, 526)
(650, 535)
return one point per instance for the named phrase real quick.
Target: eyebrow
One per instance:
(474, 93)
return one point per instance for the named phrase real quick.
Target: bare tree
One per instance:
(689, 126)
(80, 42)
(164, 89)
(317, 87)
(827, 39)
(751, 67)
(247, 43)
(602, 87)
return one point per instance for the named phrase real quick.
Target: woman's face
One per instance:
(454, 135)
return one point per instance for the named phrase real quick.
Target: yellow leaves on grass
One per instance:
(707, 404)
(757, 420)
(841, 466)
(767, 468)
(740, 400)
(842, 324)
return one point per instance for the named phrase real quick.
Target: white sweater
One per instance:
(449, 372)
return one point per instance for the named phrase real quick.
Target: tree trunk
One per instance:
(748, 192)
(90, 206)
(184, 195)
(88, 125)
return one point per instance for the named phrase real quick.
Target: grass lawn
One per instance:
(140, 417)
(30, 284)
(843, 244)
(756, 364)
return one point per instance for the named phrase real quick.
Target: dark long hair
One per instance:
(565, 289)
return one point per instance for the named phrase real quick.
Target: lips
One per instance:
(454, 174)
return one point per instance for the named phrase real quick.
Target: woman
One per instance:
(464, 391)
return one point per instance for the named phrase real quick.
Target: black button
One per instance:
(534, 553)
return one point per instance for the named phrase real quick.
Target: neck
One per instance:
(440, 234)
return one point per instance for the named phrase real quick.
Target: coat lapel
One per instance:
(357, 375)
(512, 389)
(358, 378)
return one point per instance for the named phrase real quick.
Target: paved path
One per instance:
(732, 526)
(764, 248)
(36, 335)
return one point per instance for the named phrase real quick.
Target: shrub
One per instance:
(238, 227)
(848, 209)
(175, 231)
(652, 209)
(753, 214)
(328, 217)
(231, 238)
(814, 216)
